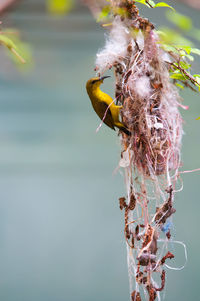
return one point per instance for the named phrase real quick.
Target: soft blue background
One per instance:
(61, 231)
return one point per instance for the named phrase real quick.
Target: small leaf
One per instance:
(181, 52)
(169, 48)
(22, 51)
(163, 4)
(184, 47)
(178, 76)
(179, 85)
(174, 71)
(190, 57)
(185, 65)
(11, 46)
(142, 2)
(7, 42)
(184, 54)
(104, 13)
(195, 51)
(59, 7)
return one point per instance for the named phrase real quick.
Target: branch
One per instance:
(183, 71)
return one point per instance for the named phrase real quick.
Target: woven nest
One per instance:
(150, 108)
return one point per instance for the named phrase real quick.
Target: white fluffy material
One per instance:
(142, 86)
(115, 47)
(166, 57)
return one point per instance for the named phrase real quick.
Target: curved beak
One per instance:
(103, 77)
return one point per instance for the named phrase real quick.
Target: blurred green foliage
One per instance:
(20, 52)
(181, 21)
(11, 46)
(59, 7)
(177, 43)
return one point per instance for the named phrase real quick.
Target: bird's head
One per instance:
(95, 82)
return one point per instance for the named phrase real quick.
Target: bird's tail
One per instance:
(125, 130)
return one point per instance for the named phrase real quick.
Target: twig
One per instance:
(18, 55)
(147, 1)
(183, 71)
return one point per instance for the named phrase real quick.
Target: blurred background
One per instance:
(61, 230)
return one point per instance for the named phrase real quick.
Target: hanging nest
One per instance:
(151, 153)
(150, 102)
(150, 109)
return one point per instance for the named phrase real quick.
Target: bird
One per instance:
(104, 105)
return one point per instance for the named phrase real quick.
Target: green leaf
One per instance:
(172, 71)
(59, 7)
(163, 4)
(104, 13)
(178, 76)
(185, 65)
(190, 57)
(142, 2)
(22, 51)
(181, 21)
(184, 47)
(169, 48)
(11, 46)
(183, 54)
(7, 42)
(195, 51)
(179, 85)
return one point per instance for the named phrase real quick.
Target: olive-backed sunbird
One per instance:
(103, 104)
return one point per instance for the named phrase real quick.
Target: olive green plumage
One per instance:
(103, 104)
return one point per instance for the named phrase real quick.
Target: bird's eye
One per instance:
(93, 81)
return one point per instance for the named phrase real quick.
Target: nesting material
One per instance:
(115, 47)
(150, 156)
(150, 101)
(150, 111)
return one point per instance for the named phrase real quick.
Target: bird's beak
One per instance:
(103, 77)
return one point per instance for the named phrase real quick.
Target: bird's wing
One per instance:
(105, 115)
